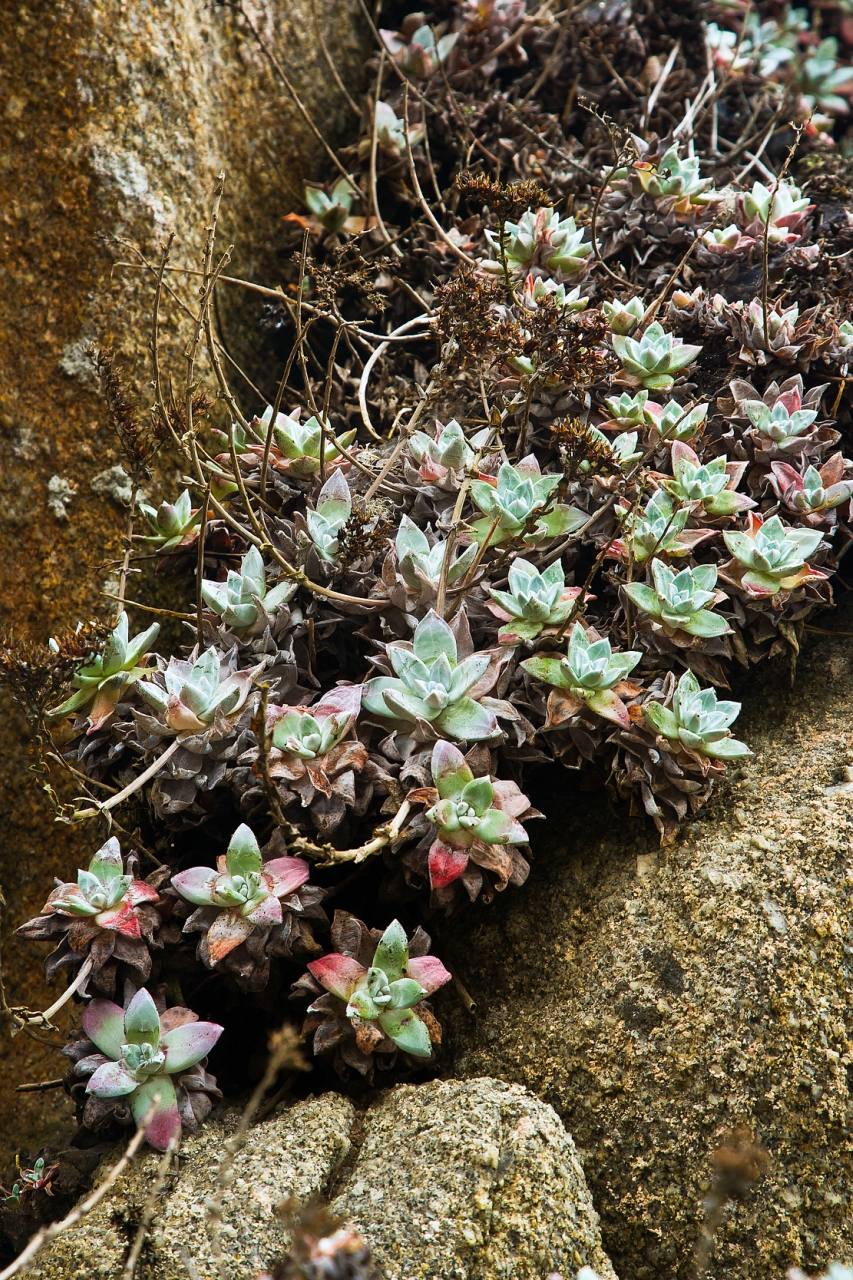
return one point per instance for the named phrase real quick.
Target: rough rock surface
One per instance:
(472, 1180)
(659, 998)
(115, 119)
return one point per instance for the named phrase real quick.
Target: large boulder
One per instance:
(473, 1180)
(115, 120)
(658, 999)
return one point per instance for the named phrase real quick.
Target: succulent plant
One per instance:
(769, 557)
(678, 600)
(332, 510)
(535, 602)
(819, 75)
(299, 444)
(391, 131)
(588, 675)
(242, 600)
(101, 683)
(697, 721)
(787, 335)
(448, 451)
(415, 49)
(655, 357)
(313, 754)
(627, 409)
(420, 564)
(675, 179)
(516, 498)
(379, 1003)
(243, 896)
(470, 817)
(431, 686)
(781, 211)
(332, 212)
(657, 530)
(815, 492)
(719, 245)
(784, 424)
(542, 239)
(673, 422)
(536, 289)
(710, 487)
(196, 696)
(144, 1053)
(108, 914)
(622, 317)
(172, 524)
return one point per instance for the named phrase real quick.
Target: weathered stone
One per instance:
(466, 1180)
(471, 1180)
(660, 998)
(294, 1154)
(115, 120)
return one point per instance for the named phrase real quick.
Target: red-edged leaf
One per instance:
(288, 874)
(122, 920)
(228, 930)
(338, 974)
(445, 864)
(429, 972)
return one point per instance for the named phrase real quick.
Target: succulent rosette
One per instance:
(655, 358)
(589, 675)
(199, 697)
(101, 683)
(438, 458)
(243, 601)
(769, 557)
(434, 694)
(172, 524)
(519, 505)
(540, 239)
(108, 914)
(659, 529)
(536, 603)
(709, 489)
(370, 995)
(814, 494)
(474, 829)
(239, 902)
(420, 563)
(145, 1062)
(697, 721)
(678, 601)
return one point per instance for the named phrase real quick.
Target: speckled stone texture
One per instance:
(457, 1180)
(659, 998)
(471, 1180)
(115, 118)
(294, 1154)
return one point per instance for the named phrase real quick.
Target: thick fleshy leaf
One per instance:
(433, 638)
(445, 864)
(372, 698)
(550, 670)
(450, 772)
(643, 597)
(111, 1081)
(196, 885)
(267, 912)
(661, 719)
(107, 864)
(704, 623)
(479, 793)
(121, 919)
(338, 974)
(141, 1020)
(185, 1046)
(228, 930)
(103, 1023)
(607, 703)
(165, 1120)
(468, 721)
(405, 993)
(289, 874)
(405, 1028)
(429, 972)
(243, 855)
(392, 954)
(403, 705)
(496, 827)
(468, 673)
(728, 749)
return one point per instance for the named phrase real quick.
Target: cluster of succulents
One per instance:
(612, 475)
